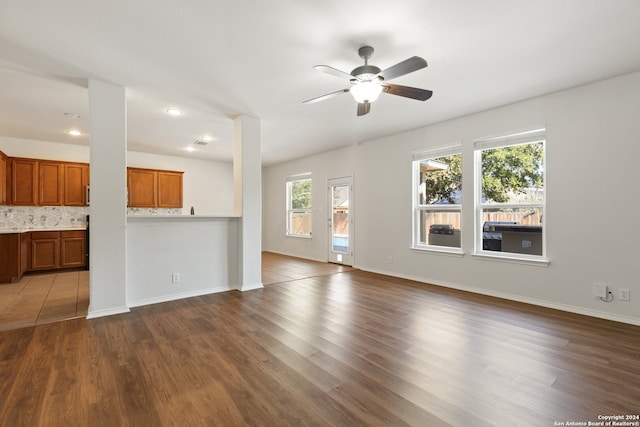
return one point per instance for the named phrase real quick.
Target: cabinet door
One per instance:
(44, 253)
(76, 180)
(142, 185)
(169, 189)
(10, 258)
(3, 179)
(24, 182)
(25, 252)
(51, 182)
(72, 249)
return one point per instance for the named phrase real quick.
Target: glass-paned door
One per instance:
(340, 220)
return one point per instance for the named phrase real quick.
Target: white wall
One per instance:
(203, 251)
(207, 186)
(592, 155)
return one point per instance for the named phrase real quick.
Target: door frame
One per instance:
(337, 257)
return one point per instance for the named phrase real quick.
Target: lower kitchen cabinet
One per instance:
(72, 249)
(57, 249)
(45, 250)
(25, 252)
(10, 248)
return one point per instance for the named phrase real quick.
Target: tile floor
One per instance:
(44, 298)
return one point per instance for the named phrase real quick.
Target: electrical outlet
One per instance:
(624, 294)
(600, 290)
(390, 260)
(175, 278)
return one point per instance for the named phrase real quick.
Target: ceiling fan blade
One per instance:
(407, 91)
(364, 108)
(333, 71)
(327, 96)
(405, 67)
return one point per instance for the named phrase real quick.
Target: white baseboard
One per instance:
(250, 287)
(92, 314)
(182, 295)
(295, 255)
(511, 297)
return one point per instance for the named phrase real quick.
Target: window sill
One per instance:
(513, 258)
(298, 236)
(439, 250)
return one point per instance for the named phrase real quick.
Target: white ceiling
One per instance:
(215, 59)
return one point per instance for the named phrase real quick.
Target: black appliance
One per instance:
(86, 250)
(441, 229)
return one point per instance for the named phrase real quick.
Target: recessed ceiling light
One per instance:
(190, 148)
(207, 138)
(174, 112)
(74, 132)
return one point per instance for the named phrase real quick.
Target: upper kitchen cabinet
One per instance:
(37, 182)
(3, 179)
(151, 188)
(169, 189)
(76, 181)
(143, 188)
(24, 181)
(51, 183)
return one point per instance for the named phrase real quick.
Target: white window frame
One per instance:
(419, 208)
(521, 138)
(289, 210)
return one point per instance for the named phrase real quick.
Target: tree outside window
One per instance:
(511, 197)
(438, 200)
(299, 206)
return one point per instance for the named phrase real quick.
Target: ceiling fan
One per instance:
(368, 81)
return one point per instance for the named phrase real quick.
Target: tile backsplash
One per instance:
(154, 211)
(42, 217)
(50, 217)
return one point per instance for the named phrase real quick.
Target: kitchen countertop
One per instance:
(26, 230)
(182, 216)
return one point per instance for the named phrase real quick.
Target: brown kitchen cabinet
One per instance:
(76, 181)
(57, 249)
(45, 250)
(152, 188)
(10, 248)
(24, 181)
(143, 188)
(169, 189)
(3, 179)
(40, 250)
(51, 183)
(25, 252)
(72, 249)
(37, 182)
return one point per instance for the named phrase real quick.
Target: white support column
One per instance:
(247, 178)
(108, 210)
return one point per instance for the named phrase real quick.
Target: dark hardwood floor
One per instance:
(341, 347)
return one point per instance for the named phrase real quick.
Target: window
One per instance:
(299, 205)
(510, 196)
(437, 199)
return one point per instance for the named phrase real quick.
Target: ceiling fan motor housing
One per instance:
(365, 72)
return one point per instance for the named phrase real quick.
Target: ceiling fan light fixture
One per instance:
(173, 112)
(367, 91)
